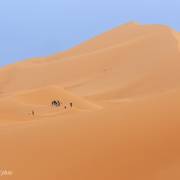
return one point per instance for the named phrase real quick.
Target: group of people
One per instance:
(56, 103)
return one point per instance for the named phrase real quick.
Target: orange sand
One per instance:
(124, 123)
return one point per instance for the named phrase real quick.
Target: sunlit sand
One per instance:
(116, 112)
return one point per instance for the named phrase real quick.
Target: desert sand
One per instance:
(124, 123)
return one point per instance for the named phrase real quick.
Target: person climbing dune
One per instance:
(71, 104)
(54, 103)
(58, 103)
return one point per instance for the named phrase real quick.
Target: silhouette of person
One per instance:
(71, 104)
(54, 103)
(58, 103)
(33, 113)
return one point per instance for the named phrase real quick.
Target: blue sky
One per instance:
(33, 28)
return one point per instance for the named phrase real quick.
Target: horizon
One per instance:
(38, 29)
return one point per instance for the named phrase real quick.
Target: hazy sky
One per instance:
(30, 28)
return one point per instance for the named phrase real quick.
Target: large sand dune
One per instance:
(124, 123)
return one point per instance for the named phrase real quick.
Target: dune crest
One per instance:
(113, 60)
(118, 113)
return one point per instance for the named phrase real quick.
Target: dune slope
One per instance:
(124, 123)
(149, 57)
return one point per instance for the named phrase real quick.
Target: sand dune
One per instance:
(112, 66)
(124, 123)
(19, 106)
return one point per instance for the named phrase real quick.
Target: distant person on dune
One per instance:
(71, 104)
(54, 103)
(58, 103)
(33, 113)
